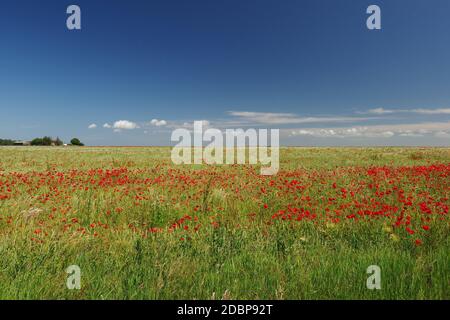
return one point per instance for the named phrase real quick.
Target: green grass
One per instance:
(239, 251)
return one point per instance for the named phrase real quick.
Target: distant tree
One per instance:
(6, 142)
(58, 142)
(47, 141)
(37, 142)
(76, 142)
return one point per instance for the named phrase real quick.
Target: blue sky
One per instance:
(310, 68)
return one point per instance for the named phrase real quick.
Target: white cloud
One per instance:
(409, 133)
(344, 133)
(431, 111)
(288, 118)
(107, 126)
(158, 123)
(303, 133)
(125, 124)
(439, 129)
(380, 111)
(442, 134)
(387, 134)
(92, 126)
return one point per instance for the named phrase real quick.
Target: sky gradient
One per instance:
(310, 68)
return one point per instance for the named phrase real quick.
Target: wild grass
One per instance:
(124, 231)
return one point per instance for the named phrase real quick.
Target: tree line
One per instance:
(6, 142)
(44, 141)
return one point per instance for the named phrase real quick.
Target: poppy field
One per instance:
(140, 227)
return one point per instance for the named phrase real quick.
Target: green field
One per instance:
(140, 227)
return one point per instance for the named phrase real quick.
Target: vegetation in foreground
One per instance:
(140, 227)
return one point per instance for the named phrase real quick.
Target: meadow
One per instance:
(140, 227)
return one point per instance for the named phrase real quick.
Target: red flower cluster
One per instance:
(413, 200)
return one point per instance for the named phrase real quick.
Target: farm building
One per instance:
(22, 143)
